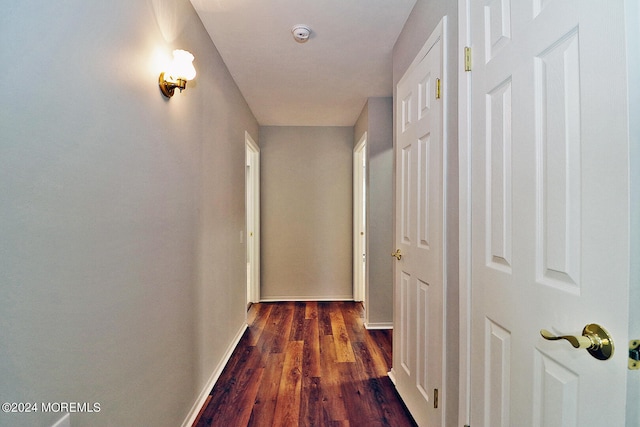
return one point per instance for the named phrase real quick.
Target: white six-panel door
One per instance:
(550, 211)
(418, 312)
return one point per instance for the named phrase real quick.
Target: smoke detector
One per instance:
(301, 33)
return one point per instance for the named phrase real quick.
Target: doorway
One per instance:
(360, 221)
(252, 228)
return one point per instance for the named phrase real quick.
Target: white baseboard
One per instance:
(303, 299)
(392, 375)
(379, 325)
(195, 409)
(63, 422)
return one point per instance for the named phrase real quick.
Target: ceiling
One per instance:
(323, 82)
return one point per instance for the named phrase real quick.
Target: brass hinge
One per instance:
(437, 88)
(435, 397)
(634, 355)
(467, 58)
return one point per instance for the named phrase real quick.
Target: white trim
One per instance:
(206, 390)
(305, 299)
(464, 215)
(392, 376)
(445, 209)
(359, 193)
(63, 422)
(378, 325)
(253, 150)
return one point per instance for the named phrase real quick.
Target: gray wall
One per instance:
(306, 212)
(425, 16)
(377, 120)
(121, 270)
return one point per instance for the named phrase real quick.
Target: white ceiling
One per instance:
(324, 82)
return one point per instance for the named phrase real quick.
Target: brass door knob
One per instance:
(397, 254)
(595, 339)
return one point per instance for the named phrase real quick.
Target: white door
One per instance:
(550, 211)
(418, 273)
(252, 203)
(360, 221)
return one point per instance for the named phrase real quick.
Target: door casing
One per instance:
(252, 229)
(360, 222)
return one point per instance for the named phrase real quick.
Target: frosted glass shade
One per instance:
(182, 66)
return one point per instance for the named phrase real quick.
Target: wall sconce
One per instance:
(178, 73)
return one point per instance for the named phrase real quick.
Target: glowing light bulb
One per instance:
(181, 68)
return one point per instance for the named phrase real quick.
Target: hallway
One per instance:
(308, 364)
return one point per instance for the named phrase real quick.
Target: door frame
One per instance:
(360, 222)
(464, 215)
(252, 218)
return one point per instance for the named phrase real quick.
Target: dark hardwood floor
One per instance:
(307, 364)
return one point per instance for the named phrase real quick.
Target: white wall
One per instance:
(121, 270)
(306, 212)
(377, 120)
(424, 17)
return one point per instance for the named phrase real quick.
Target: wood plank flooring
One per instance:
(307, 364)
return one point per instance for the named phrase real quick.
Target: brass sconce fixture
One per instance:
(178, 73)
